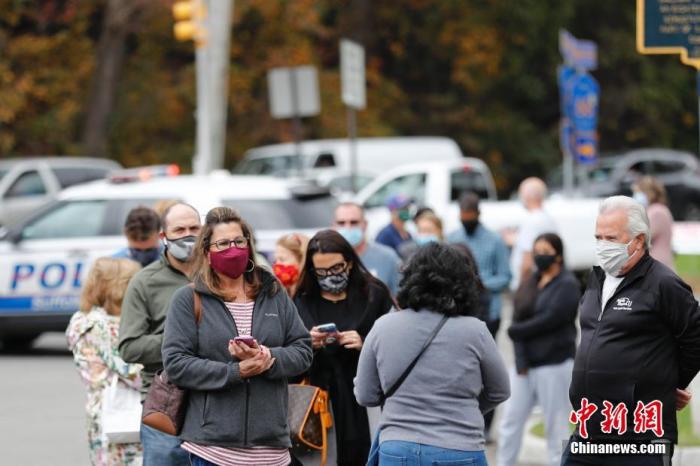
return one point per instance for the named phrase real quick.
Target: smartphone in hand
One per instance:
(246, 340)
(330, 330)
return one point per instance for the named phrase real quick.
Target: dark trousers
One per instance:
(569, 459)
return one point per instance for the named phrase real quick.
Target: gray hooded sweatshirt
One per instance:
(223, 408)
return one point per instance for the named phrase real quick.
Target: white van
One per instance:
(374, 155)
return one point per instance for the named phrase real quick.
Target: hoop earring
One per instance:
(252, 264)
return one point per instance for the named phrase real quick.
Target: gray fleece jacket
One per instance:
(224, 409)
(460, 377)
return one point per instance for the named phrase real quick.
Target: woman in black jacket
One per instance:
(335, 288)
(544, 339)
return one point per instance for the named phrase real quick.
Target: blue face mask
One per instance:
(144, 256)
(353, 235)
(422, 240)
(641, 198)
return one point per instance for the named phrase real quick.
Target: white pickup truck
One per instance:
(439, 184)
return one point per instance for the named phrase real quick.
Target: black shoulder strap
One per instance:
(408, 370)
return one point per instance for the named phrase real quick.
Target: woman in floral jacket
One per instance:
(92, 337)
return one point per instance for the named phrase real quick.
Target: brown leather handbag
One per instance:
(309, 418)
(166, 403)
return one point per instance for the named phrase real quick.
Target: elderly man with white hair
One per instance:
(640, 344)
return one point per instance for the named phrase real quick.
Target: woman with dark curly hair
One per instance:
(336, 288)
(436, 414)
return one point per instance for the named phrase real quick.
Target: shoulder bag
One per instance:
(166, 403)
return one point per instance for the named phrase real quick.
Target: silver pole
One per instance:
(296, 119)
(567, 168)
(352, 135)
(219, 18)
(202, 142)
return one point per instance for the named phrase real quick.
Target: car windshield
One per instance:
(598, 174)
(601, 172)
(3, 172)
(285, 214)
(266, 165)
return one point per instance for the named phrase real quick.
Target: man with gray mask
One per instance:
(640, 345)
(144, 310)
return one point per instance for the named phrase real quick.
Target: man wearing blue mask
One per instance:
(640, 344)
(141, 229)
(395, 233)
(144, 311)
(380, 260)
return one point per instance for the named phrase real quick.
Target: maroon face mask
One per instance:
(231, 262)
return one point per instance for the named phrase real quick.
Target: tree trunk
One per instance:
(117, 24)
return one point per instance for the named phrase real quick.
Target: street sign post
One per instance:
(579, 96)
(584, 113)
(671, 27)
(352, 73)
(294, 94)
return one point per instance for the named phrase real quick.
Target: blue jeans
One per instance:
(197, 461)
(161, 449)
(398, 453)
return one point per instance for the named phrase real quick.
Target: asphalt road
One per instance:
(42, 420)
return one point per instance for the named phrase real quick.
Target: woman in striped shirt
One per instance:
(237, 404)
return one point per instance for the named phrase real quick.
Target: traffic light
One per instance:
(189, 21)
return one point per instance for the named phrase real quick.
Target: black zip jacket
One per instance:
(549, 336)
(641, 347)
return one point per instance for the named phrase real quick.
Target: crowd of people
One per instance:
(406, 322)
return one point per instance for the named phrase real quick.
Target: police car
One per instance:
(46, 257)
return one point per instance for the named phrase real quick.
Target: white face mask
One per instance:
(612, 256)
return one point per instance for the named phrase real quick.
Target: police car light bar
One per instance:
(130, 175)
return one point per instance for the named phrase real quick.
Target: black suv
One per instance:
(615, 174)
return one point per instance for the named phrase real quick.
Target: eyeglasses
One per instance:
(352, 223)
(223, 244)
(340, 267)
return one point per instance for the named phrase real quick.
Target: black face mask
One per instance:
(470, 226)
(544, 261)
(144, 256)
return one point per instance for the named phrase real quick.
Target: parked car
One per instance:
(374, 155)
(46, 257)
(28, 183)
(615, 174)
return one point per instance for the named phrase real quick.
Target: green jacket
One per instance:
(145, 305)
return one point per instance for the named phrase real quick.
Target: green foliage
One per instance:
(480, 71)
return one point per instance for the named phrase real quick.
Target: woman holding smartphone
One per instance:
(236, 360)
(336, 290)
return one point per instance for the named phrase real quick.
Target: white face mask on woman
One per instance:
(612, 256)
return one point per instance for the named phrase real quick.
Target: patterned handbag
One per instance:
(309, 418)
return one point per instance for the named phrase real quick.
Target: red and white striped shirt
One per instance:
(243, 316)
(255, 456)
